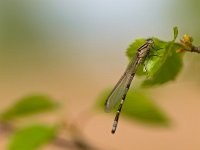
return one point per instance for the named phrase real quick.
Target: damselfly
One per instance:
(121, 88)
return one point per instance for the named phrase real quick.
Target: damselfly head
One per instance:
(150, 41)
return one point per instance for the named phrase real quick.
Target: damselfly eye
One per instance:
(150, 41)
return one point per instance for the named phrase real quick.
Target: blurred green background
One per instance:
(72, 50)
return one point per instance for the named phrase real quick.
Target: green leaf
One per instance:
(167, 68)
(175, 33)
(156, 57)
(31, 138)
(142, 108)
(162, 64)
(153, 61)
(27, 106)
(138, 106)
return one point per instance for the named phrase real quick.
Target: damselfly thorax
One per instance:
(120, 90)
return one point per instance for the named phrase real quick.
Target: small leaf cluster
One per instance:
(33, 136)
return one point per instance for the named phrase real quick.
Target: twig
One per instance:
(195, 49)
(5, 128)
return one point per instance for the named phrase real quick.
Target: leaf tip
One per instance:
(175, 32)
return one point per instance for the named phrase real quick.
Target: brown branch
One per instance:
(195, 49)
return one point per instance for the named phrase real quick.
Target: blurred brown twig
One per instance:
(195, 49)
